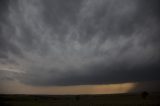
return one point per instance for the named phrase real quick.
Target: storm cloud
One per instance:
(77, 42)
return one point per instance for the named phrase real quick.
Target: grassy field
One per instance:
(80, 100)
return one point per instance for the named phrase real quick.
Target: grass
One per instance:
(80, 100)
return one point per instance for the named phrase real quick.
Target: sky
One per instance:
(79, 46)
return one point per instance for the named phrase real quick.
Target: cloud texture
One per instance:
(76, 42)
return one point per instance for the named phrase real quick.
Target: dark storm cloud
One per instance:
(76, 42)
(3, 9)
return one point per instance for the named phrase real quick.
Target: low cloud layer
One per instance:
(77, 42)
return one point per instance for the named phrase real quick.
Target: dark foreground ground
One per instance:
(80, 100)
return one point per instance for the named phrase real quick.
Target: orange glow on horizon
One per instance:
(15, 87)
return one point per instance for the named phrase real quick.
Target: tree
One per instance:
(144, 94)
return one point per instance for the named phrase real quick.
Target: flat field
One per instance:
(80, 100)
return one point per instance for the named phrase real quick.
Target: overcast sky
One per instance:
(79, 42)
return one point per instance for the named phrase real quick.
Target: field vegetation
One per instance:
(80, 100)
